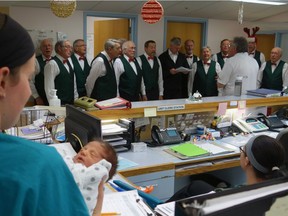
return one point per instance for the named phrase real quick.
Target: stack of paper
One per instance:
(31, 132)
(166, 209)
(125, 204)
(114, 103)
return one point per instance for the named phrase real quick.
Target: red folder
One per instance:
(113, 103)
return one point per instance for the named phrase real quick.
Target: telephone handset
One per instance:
(165, 137)
(271, 121)
(249, 125)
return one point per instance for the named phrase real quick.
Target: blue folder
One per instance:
(150, 200)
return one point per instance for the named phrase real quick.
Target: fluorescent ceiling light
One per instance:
(262, 2)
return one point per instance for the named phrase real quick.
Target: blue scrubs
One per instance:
(35, 181)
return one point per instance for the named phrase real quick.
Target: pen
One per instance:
(114, 186)
(110, 214)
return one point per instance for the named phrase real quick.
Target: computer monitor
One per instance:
(255, 199)
(81, 127)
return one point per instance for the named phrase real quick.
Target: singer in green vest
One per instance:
(190, 58)
(253, 52)
(101, 82)
(37, 80)
(129, 75)
(81, 65)
(203, 75)
(223, 55)
(59, 74)
(152, 71)
(273, 74)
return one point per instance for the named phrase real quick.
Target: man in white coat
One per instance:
(240, 65)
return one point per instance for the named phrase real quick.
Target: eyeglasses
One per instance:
(241, 148)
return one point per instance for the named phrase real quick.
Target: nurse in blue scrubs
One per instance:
(34, 180)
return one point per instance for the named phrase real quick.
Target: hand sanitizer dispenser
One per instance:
(54, 101)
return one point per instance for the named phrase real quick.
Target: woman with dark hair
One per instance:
(260, 159)
(34, 180)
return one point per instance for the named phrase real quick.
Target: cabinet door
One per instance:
(164, 181)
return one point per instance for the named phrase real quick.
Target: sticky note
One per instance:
(150, 112)
(242, 105)
(222, 107)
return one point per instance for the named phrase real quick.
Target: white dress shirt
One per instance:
(160, 77)
(98, 69)
(273, 67)
(193, 72)
(190, 60)
(215, 57)
(51, 70)
(239, 65)
(119, 69)
(173, 56)
(262, 57)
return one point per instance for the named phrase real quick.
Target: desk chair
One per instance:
(282, 137)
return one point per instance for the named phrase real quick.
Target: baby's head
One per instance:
(96, 150)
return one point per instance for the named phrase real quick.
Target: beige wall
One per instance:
(44, 19)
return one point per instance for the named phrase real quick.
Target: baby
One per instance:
(94, 163)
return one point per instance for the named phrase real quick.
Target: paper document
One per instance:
(183, 70)
(123, 203)
(124, 163)
(214, 149)
(166, 209)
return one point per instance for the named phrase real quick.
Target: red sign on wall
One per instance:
(152, 11)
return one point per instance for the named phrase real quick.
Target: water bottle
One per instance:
(54, 101)
(238, 86)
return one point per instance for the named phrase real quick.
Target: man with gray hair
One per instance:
(173, 79)
(37, 80)
(273, 74)
(129, 75)
(101, 82)
(240, 66)
(59, 74)
(203, 75)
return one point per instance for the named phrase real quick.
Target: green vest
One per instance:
(64, 83)
(106, 86)
(39, 80)
(205, 83)
(273, 80)
(257, 57)
(129, 82)
(150, 75)
(220, 60)
(81, 75)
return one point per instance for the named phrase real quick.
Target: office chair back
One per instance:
(282, 137)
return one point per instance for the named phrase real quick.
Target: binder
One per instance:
(263, 92)
(187, 150)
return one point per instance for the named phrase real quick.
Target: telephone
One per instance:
(166, 136)
(271, 121)
(86, 103)
(249, 125)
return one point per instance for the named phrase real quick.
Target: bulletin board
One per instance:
(38, 35)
